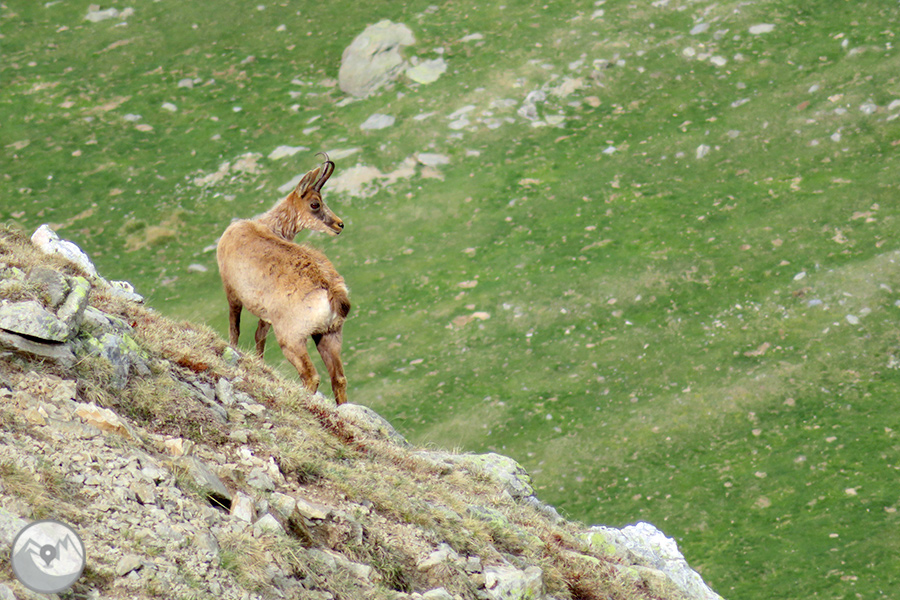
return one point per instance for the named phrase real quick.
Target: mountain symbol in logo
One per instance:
(48, 557)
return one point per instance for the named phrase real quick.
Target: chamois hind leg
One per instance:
(329, 345)
(262, 330)
(295, 351)
(234, 320)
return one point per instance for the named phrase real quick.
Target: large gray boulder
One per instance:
(374, 58)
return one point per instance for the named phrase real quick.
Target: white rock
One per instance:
(339, 153)
(311, 510)
(702, 150)
(472, 37)
(377, 121)
(432, 160)
(169, 107)
(699, 28)
(285, 151)
(459, 124)
(460, 112)
(267, 523)
(48, 241)
(852, 319)
(568, 87)
(502, 582)
(95, 16)
(371, 422)
(645, 545)
(761, 28)
(242, 507)
(437, 594)
(427, 71)
(719, 61)
(868, 108)
(359, 181)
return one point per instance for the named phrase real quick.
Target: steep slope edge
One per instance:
(190, 470)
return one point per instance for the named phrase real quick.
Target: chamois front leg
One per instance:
(234, 321)
(262, 330)
(295, 352)
(329, 346)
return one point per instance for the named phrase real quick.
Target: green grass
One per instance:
(630, 294)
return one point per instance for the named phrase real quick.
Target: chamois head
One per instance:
(306, 200)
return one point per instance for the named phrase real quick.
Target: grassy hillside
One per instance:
(688, 262)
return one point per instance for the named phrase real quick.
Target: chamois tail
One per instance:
(340, 300)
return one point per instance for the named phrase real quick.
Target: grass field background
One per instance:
(672, 295)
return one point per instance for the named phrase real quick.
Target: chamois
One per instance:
(291, 287)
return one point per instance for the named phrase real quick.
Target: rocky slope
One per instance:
(191, 471)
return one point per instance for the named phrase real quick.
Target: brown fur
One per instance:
(291, 287)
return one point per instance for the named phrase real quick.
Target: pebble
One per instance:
(762, 28)
(377, 121)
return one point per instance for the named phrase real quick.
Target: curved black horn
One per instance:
(327, 170)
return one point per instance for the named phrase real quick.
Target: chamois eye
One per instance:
(315, 206)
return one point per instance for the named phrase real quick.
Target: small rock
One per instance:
(371, 422)
(762, 28)
(97, 15)
(852, 319)
(702, 151)
(503, 582)
(51, 285)
(186, 83)
(267, 524)
(311, 510)
(242, 507)
(169, 107)
(285, 151)
(868, 108)
(437, 594)
(283, 503)
(103, 419)
(127, 564)
(427, 71)
(259, 479)
(178, 446)
(377, 121)
(197, 268)
(225, 389)
(443, 554)
(207, 482)
(699, 28)
(431, 159)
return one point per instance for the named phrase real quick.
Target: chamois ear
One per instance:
(308, 180)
